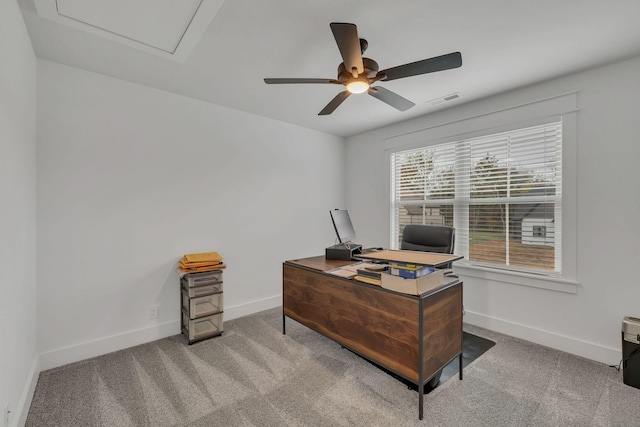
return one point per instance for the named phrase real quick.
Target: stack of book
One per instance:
(205, 261)
(409, 271)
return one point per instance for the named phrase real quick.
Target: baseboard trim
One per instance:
(252, 307)
(571, 345)
(27, 395)
(86, 350)
(75, 353)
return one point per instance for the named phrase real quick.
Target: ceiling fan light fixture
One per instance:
(357, 86)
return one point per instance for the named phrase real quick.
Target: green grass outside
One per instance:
(480, 237)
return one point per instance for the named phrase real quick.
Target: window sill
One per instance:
(516, 278)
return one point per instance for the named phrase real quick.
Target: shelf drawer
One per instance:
(201, 279)
(201, 306)
(202, 327)
(199, 291)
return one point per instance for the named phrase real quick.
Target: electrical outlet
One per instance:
(7, 413)
(154, 312)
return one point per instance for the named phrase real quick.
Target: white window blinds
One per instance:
(501, 192)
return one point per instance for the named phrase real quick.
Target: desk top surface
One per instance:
(323, 265)
(411, 257)
(319, 263)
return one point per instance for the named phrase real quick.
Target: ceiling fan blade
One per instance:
(286, 81)
(335, 102)
(391, 98)
(346, 36)
(431, 65)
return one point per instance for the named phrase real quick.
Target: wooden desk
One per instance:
(413, 336)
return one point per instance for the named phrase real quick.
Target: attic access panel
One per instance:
(167, 28)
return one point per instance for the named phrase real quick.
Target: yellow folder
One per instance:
(198, 264)
(220, 266)
(204, 256)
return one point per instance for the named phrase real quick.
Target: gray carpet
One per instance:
(253, 375)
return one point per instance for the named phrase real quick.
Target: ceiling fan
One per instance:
(357, 74)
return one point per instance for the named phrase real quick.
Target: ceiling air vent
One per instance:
(444, 99)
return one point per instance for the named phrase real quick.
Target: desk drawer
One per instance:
(201, 306)
(202, 327)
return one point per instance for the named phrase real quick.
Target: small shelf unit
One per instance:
(201, 305)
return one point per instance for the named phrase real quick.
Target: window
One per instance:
(539, 231)
(502, 193)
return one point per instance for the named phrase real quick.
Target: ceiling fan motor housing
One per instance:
(370, 70)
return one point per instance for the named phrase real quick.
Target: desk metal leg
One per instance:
(420, 360)
(284, 325)
(460, 358)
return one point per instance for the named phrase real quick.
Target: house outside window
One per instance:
(502, 192)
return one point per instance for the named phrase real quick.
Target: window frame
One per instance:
(455, 161)
(561, 107)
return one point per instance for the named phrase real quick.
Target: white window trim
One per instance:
(541, 281)
(564, 106)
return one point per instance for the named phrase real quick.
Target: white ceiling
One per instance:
(504, 44)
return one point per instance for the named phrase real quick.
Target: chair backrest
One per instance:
(428, 238)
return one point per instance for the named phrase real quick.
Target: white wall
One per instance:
(18, 356)
(608, 215)
(131, 178)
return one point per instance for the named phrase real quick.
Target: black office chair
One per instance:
(429, 238)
